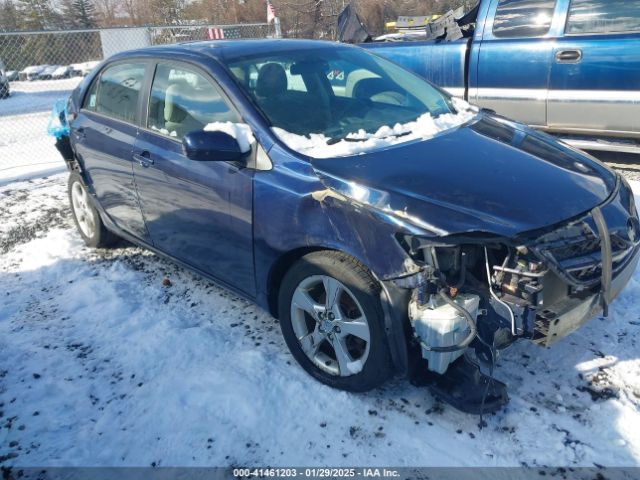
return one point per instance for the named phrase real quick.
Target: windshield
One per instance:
(337, 95)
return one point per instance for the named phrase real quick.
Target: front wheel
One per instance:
(85, 215)
(332, 320)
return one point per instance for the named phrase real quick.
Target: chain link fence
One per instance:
(38, 68)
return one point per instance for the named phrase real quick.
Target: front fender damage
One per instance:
(361, 217)
(450, 293)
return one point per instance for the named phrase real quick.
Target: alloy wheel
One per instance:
(83, 211)
(330, 325)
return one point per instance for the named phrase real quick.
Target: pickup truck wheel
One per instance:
(85, 215)
(332, 321)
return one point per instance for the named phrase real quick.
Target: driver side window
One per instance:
(183, 100)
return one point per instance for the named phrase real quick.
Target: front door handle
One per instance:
(569, 56)
(144, 159)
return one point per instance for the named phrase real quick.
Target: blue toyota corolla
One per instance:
(388, 226)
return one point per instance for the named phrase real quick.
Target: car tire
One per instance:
(4, 91)
(85, 216)
(331, 343)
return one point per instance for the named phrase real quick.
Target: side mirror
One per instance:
(206, 146)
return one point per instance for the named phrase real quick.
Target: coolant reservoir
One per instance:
(438, 324)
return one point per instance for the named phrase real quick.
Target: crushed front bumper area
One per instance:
(593, 258)
(485, 293)
(569, 314)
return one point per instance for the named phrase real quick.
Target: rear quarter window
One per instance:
(90, 98)
(523, 18)
(603, 16)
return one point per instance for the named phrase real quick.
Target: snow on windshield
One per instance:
(318, 145)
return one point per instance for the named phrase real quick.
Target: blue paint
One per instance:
(610, 61)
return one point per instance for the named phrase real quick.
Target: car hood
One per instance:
(493, 176)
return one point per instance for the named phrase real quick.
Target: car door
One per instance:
(198, 212)
(104, 134)
(595, 78)
(514, 59)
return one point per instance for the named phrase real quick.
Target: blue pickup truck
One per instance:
(568, 67)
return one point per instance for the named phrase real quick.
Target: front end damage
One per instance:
(478, 293)
(515, 236)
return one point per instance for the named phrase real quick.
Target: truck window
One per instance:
(603, 16)
(523, 18)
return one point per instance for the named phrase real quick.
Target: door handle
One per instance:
(80, 133)
(569, 56)
(144, 159)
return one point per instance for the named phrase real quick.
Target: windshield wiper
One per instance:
(345, 137)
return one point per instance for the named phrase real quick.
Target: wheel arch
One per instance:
(394, 303)
(279, 269)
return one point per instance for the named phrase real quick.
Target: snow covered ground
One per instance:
(25, 148)
(103, 365)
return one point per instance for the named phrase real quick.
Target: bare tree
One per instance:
(107, 12)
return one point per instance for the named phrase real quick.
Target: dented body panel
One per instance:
(315, 216)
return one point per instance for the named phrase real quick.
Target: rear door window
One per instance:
(118, 91)
(523, 18)
(603, 16)
(183, 100)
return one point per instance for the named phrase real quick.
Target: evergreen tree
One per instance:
(78, 13)
(67, 12)
(38, 15)
(84, 13)
(9, 16)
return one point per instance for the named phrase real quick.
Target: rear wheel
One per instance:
(85, 215)
(4, 90)
(331, 318)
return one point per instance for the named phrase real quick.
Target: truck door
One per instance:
(514, 59)
(595, 77)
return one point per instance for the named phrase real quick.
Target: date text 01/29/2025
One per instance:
(242, 473)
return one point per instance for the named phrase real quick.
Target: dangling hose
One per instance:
(470, 321)
(495, 297)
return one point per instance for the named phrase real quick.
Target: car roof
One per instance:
(226, 50)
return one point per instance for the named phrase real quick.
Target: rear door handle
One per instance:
(569, 56)
(80, 133)
(143, 158)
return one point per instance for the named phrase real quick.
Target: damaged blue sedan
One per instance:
(391, 228)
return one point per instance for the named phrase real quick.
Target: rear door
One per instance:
(198, 212)
(104, 134)
(595, 78)
(514, 59)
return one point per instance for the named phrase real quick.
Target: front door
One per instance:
(514, 60)
(198, 212)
